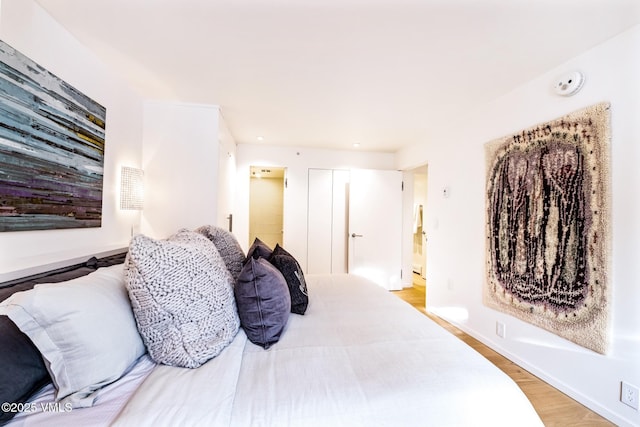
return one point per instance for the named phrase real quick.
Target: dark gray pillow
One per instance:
(258, 249)
(263, 301)
(23, 371)
(227, 246)
(182, 298)
(290, 269)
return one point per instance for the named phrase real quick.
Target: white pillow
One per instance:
(182, 298)
(84, 329)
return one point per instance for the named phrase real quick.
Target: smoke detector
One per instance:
(569, 84)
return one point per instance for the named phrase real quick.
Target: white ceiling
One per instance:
(329, 73)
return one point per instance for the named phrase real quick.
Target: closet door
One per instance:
(319, 219)
(327, 221)
(340, 222)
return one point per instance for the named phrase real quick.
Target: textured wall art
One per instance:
(548, 237)
(51, 149)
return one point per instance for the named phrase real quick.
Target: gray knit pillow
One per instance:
(182, 298)
(227, 245)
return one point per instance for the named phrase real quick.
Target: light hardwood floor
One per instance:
(555, 408)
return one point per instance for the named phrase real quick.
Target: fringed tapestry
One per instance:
(547, 226)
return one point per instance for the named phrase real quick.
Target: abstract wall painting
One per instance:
(548, 226)
(52, 140)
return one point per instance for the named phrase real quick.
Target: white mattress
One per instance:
(358, 357)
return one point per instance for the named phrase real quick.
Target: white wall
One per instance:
(29, 29)
(181, 153)
(455, 225)
(297, 161)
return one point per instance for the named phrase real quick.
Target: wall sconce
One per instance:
(131, 188)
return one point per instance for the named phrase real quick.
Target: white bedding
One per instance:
(358, 357)
(42, 410)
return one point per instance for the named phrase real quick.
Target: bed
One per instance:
(358, 356)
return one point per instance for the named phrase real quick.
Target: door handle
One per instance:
(356, 235)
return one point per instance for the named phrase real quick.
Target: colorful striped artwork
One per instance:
(52, 140)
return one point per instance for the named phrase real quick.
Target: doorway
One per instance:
(418, 227)
(266, 204)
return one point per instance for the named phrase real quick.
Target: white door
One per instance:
(319, 221)
(375, 226)
(327, 221)
(339, 229)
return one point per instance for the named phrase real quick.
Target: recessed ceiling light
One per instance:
(260, 138)
(356, 144)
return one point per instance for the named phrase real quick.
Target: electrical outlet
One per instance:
(629, 395)
(501, 330)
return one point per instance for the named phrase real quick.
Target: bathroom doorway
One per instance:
(266, 204)
(419, 258)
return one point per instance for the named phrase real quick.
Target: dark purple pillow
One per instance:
(262, 298)
(258, 249)
(290, 269)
